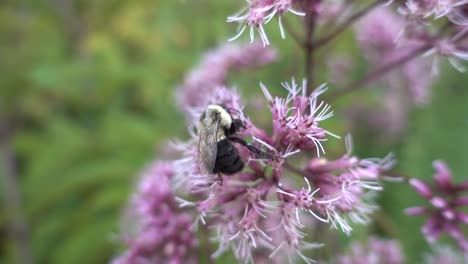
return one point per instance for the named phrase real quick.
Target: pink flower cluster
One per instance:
(422, 10)
(260, 12)
(442, 254)
(446, 200)
(406, 38)
(418, 27)
(215, 66)
(375, 251)
(296, 120)
(261, 212)
(155, 230)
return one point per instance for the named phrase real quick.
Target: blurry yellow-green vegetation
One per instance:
(88, 88)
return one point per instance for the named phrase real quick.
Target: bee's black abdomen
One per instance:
(227, 158)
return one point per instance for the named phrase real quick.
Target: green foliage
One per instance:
(437, 131)
(88, 87)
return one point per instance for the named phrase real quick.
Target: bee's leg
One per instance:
(220, 177)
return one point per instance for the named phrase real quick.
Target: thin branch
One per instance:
(377, 73)
(309, 49)
(339, 29)
(15, 217)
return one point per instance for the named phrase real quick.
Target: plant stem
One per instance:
(373, 75)
(309, 49)
(324, 40)
(377, 73)
(16, 221)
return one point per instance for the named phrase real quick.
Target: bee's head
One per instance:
(214, 114)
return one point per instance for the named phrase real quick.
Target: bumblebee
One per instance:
(216, 153)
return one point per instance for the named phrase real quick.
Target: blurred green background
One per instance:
(87, 92)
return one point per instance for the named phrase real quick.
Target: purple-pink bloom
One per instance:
(155, 230)
(346, 188)
(234, 210)
(241, 209)
(258, 13)
(450, 49)
(236, 207)
(214, 68)
(445, 212)
(375, 251)
(296, 119)
(421, 10)
(442, 254)
(290, 243)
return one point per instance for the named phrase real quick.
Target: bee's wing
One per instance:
(207, 148)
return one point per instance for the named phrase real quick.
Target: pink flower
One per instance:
(451, 49)
(423, 9)
(288, 231)
(238, 215)
(344, 190)
(237, 207)
(162, 234)
(377, 30)
(442, 254)
(448, 8)
(242, 209)
(297, 117)
(444, 209)
(258, 13)
(459, 15)
(334, 12)
(214, 68)
(375, 251)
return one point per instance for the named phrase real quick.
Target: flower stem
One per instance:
(310, 20)
(377, 73)
(324, 40)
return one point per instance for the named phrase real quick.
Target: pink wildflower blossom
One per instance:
(240, 208)
(258, 13)
(442, 254)
(445, 206)
(162, 234)
(375, 251)
(214, 69)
